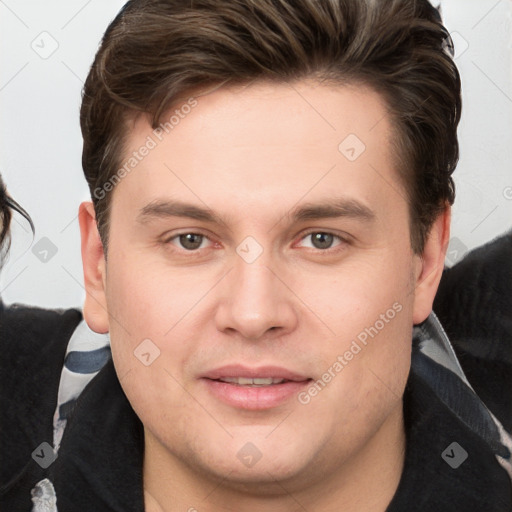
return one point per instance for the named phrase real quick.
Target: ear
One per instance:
(93, 260)
(430, 266)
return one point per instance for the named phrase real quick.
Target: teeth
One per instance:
(258, 381)
(264, 382)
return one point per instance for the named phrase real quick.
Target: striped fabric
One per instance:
(86, 354)
(434, 360)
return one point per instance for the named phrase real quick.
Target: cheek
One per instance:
(368, 309)
(151, 337)
(368, 382)
(139, 314)
(358, 293)
(141, 296)
(148, 362)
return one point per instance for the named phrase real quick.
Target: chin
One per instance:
(254, 465)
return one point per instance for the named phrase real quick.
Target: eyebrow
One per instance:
(332, 208)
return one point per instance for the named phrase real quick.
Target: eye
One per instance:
(188, 241)
(322, 239)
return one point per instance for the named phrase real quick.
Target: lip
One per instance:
(235, 370)
(254, 398)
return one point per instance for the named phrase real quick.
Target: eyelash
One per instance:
(343, 241)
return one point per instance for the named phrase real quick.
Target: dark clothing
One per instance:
(33, 345)
(474, 305)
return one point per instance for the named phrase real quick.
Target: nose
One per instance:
(256, 303)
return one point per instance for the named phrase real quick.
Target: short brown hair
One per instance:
(156, 51)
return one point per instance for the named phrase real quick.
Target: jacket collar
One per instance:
(99, 465)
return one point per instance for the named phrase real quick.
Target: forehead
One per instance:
(262, 142)
(311, 114)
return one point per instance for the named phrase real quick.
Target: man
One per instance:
(271, 187)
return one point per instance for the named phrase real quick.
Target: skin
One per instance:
(252, 155)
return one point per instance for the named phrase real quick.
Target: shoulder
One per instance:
(33, 337)
(29, 320)
(33, 342)
(474, 300)
(474, 305)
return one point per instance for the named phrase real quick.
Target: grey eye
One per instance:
(321, 240)
(191, 241)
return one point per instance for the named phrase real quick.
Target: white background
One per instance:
(41, 145)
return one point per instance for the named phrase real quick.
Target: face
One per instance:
(260, 283)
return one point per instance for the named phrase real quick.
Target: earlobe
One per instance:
(431, 265)
(93, 260)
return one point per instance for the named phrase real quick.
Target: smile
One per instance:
(243, 387)
(255, 382)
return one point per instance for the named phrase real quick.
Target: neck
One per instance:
(365, 481)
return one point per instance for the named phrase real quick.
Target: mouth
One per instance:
(256, 382)
(254, 388)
